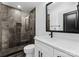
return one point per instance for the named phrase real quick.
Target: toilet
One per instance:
(29, 50)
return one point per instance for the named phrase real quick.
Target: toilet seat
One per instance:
(29, 49)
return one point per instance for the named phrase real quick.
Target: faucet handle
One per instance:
(51, 34)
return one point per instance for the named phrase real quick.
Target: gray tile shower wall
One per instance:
(9, 16)
(0, 30)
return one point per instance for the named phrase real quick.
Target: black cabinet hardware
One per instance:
(58, 56)
(39, 54)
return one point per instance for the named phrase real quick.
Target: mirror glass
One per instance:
(57, 13)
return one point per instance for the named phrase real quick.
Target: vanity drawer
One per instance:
(58, 53)
(44, 48)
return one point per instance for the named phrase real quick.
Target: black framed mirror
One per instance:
(62, 17)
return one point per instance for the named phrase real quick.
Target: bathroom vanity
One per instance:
(54, 47)
(61, 17)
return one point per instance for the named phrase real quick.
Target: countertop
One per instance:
(70, 47)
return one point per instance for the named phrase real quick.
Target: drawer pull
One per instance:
(58, 56)
(39, 54)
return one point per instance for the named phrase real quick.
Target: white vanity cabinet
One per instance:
(55, 47)
(42, 49)
(58, 53)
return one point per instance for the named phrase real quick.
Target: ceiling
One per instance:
(25, 6)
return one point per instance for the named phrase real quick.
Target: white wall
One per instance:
(41, 27)
(41, 19)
